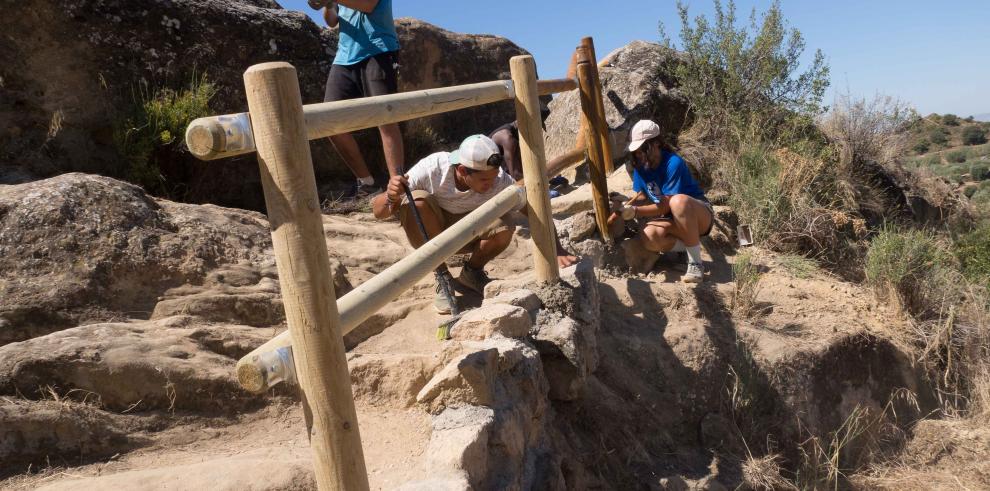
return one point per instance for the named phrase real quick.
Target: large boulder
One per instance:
(171, 364)
(433, 57)
(634, 87)
(73, 70)
(78, 248)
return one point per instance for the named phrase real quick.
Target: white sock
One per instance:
(366, 181)
(678, 246)
(694, 254)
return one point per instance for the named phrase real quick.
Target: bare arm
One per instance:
(366, 6)
(387, 204)
(330, 15)
(646, 208)
(510, 153)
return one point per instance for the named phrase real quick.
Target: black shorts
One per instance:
(376, 75)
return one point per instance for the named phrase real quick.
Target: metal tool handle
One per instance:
(441, 278)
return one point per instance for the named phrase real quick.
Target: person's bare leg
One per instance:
(689, 217)
(488, 249)
(394, 150)
(348, 150)
(657, 237)
(432, 223)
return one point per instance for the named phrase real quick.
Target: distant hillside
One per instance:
(982, 117)
(941, 146)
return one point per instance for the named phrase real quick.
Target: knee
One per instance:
(654, 234)
(504, 237)
(679, 203)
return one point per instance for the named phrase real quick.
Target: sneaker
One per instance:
(440, 300)
(361, 191)
(695, 273)
(475, 279)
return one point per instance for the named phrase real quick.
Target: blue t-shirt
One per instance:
(365, 35)
(671, 177)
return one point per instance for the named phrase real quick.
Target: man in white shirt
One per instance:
(446, 186)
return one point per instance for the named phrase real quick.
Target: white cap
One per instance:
(474, 153)
(643, 130)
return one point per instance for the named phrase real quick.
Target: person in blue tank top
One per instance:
(670, 205)
(366, 65)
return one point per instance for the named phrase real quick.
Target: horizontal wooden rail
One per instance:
(216, 137)
(362, 302)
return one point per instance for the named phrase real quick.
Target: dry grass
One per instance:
(763, 473)
(867, 436)
(746, 274)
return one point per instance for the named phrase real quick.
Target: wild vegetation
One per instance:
(805, 178)
(152, 132)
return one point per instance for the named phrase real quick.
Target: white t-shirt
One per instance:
(435, 175)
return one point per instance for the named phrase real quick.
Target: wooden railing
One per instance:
(278, 127)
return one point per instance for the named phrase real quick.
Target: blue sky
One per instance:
(933, 55)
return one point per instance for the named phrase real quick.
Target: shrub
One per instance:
(950, 120)
(958, 156)
(973, 252)
(746, 79)
(921, 146)
(938, 136)
(973, 135)
(747, 276)
(914, 269)
(155, 127)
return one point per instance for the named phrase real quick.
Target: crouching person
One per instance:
(671, 207)
(446, 187)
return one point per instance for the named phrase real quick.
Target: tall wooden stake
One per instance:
(602, 130)
(304, 273)
(596, 170)
(534, 162)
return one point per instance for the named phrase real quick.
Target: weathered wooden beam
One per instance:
(534, 164)
(304, 273)
(216, 137)
(363, 301)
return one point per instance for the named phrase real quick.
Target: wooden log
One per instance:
(534, 163)
(563, 162)
(287, 177)
(602, 129)
(596, 171)
(216, 137)
(363, 301)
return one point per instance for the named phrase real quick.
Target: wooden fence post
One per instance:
(310, 304)
(534, 163)
(602, 130)
(596, 170)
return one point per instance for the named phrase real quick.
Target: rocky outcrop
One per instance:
(168, 364)
(434, 57)
(634, 88)
(80, 248)
(73, 70)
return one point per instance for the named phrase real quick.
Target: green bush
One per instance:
(973, 252)
(938, 136)
(756, 191)
(746, 79)
(958, 156)
(154, 129)
(950, 120)
(973, 135)
(914, 268)
(921, 146)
